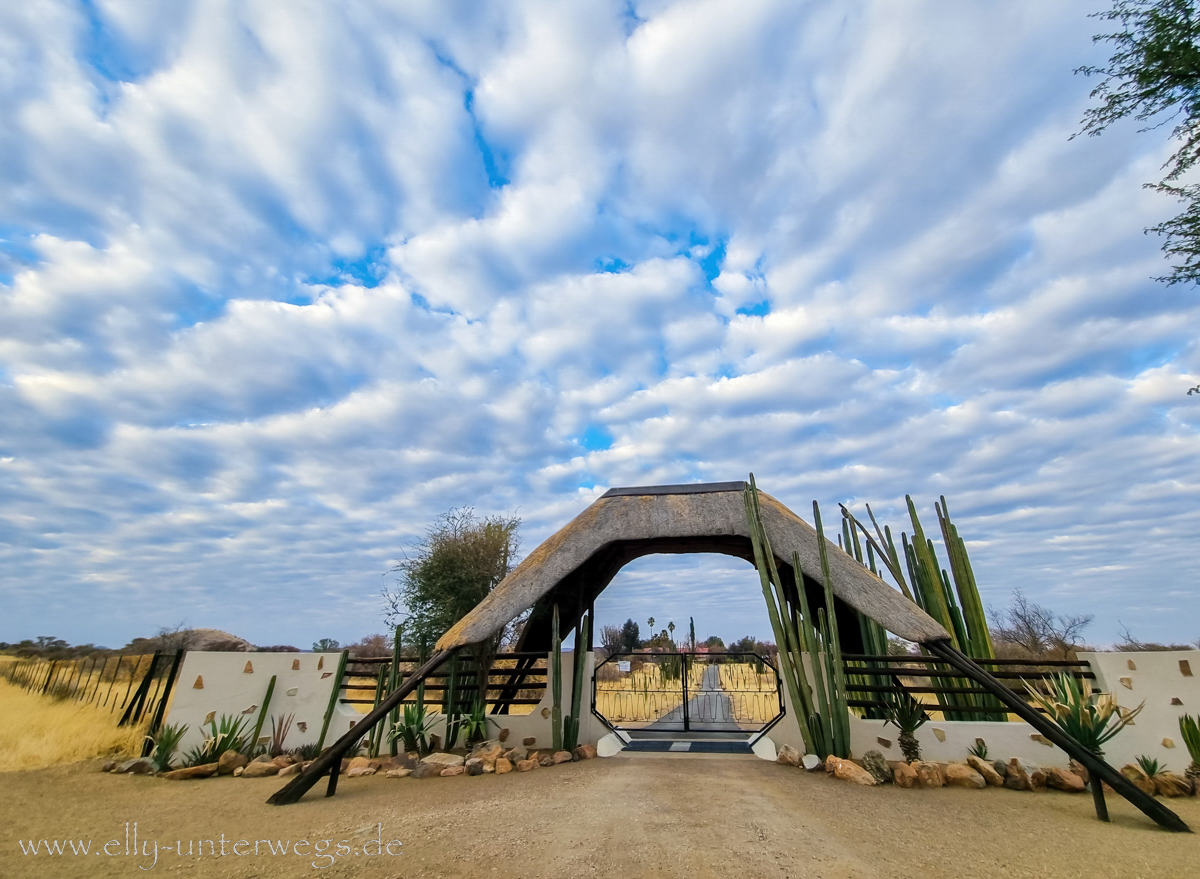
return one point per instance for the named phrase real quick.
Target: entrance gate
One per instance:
(687, 692)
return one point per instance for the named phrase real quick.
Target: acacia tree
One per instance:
(1155, 69)
(461, 559)
(1033, 631)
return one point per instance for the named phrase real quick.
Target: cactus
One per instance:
(262, 714)
(1189, 729)
(556, 718)
(571, 724)
(393, 683)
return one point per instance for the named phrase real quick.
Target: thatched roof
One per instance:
(665, 513)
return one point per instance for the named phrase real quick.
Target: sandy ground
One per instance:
(640, 815)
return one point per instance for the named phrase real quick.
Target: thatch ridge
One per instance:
(718, 513)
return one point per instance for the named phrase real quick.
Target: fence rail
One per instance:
(871, 675)
(517, 678)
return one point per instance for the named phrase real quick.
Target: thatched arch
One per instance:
(576, 563)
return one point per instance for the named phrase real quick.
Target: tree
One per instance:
(631, 637)
(325, 645)
(650, 625)
(461, 559)
(671, 627)
(692, 633)
(714, 643)
(1034, 631)
(1155, 68)
(372, 645)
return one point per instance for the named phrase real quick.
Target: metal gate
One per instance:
(687, 692)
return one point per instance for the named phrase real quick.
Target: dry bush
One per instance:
(36, 731)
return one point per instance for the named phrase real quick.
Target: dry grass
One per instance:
(37, 731)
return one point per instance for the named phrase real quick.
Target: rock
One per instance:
(811, 762)
(292, 769)
(787, 756)
(529, 741)
(136, 766)
(561, 757)
(345, 766)
(237, 773)
(848, 770)
(987, 770)
(427, 770)
(1016, 778)
(930, 774)
(1135, 774)
(1001, 768)
(1064, 780)
(230, 761)
(546, 760)
(397, 773)
(358, 763)
(962, 775)
(904, 775)
(203, 771)
(109, 766)
(452, 770)
(487, 752)
(474, 766)
(1037, 780)
(489, 767)
(283, 761)
(1081, 770)
(444, 760)
(360, 771)
(255, 769)
(264, 758)
(503, 736)
(400, 761)
(873, 762)
(516, 753)
(585, 752)
(503, 765)
(1168, 784)
(526, 765)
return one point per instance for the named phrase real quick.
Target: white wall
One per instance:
(219, 683)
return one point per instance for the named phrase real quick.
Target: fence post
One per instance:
(161, 711)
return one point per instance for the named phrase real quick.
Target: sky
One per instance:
(281, 283)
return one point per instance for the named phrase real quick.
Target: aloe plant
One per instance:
(979, 749)
(227, 734)
(165, 742)
(475, 723)
(1189, 729)
(1149, 765)
(280, 726)
(414, 729)
(905, 713)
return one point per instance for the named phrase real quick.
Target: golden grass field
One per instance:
(38, 731)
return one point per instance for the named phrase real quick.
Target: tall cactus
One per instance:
(556, 716)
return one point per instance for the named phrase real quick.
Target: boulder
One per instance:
(203, 771)
(109, 766)
(489, 767)
(848, 770)
(930, 774)
(561, 757)
(1037, 780)
(529, 741)
(360, 771)
(443, 760)
(358, 763)
(255, 769)
(237, 773)
(1135, 774)
(1169, 784)
(987, 770)
(283, 761)
(1001, 768)
(811, 762)
(1015, 777)
(136, 766)
(400, 761)
(474, 766)
(503, 765)
(516, 753)
(427, 770)
(1081, 770)
(1064, 780)
(230, 761)
(265, 758)
(398, 773)
(585, 752)
(526, 765)
(293, 769)
(452, 770)
(962, 775)
(873, 762)
(546, 760)
(904, 775)
(787, 756)
(487, 751)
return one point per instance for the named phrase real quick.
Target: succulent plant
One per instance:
(1189, 728)
(905, 713)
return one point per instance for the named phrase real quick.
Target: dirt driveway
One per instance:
(660, 815)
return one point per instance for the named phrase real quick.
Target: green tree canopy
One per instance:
(461, 559)
(1155, 69)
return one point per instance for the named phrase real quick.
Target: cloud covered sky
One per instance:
(280, 283)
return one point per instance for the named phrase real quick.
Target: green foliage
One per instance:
(414, 729)
(325, 645)
(1091, 719)
(460, 561)
(904, 712)
(309, 751)
(166, 741)
(979, 749)
(227, 734)
(475, 723)
(1149, 765)
(280, 726)
(1155, 68)
(556, 722)
(1189, 729)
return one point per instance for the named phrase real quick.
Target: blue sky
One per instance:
(278, 287)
